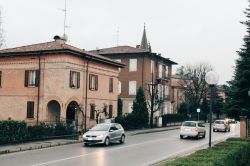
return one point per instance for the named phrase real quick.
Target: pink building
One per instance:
(55, 81)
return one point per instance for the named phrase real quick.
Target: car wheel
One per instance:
(197, 137)
(181, 136)
(122, 139)
(213, 130)
(107, 141)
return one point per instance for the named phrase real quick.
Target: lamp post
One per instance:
(212, 79)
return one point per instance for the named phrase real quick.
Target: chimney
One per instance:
(137, 46)
(59, 39)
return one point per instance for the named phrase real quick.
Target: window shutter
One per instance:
(30, 109)
(96, 82)
(37, 78)
(70, 79)
(26, 78)
(90, 82)
(78, 79)
(0, 79)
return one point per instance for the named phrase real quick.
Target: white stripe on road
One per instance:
(73, 157)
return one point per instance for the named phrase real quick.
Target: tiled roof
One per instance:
(120, 50)
(52, 46)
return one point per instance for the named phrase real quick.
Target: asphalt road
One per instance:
(138, 150)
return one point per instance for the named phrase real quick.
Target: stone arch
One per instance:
(71, 112)
(54, 111)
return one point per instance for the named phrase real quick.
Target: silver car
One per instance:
(192, 129)
(104, 133)
(221, 125)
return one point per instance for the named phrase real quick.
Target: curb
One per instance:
(19, 149)
(152, 131)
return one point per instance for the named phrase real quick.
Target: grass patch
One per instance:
(232, 152)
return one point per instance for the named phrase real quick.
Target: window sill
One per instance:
(93, 89)
(31, 86)
(30, 118)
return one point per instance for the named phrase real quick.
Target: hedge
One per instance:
(172, 118)
(17, 131)
(232, 152)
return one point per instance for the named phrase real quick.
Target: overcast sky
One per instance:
(186, 31)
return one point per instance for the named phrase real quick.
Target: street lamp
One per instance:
(212, 79)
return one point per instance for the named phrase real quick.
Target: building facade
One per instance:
(143, 67)
(55, 81)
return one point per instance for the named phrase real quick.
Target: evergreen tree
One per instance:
(183, 109)
(119, 108)
(240, 85)
(140, 110)
(205, 108)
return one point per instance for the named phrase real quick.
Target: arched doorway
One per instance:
(54, 110)
(71, 112)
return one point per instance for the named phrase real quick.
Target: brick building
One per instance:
(142, 68)
(55, 81)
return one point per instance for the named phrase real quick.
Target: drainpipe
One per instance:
(38, 88)
(86, 97)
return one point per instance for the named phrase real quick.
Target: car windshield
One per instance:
(103, 127)
(219, 122)
(189, 124)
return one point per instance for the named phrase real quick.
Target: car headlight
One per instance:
(84, 136)
(99, 136)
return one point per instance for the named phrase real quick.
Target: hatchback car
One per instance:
(104, 134)
(221, 125)
(192, 129)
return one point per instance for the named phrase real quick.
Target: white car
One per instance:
(192, 129)
(221, 125)
(104, 133)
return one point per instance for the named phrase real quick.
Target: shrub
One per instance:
(12, 131)
(17, 131)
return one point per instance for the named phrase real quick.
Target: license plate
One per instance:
(90, 139)
(187, 129)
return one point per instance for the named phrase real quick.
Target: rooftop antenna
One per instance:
(117, 37)
(65, 37)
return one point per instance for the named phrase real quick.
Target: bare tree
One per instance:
(1, 31)
(155, 101)
(193, 83)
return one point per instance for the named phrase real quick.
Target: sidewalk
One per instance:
(59, 142)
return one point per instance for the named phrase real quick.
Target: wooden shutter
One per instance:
(26, 78)
(110, 84)
(78, 79)
(37, 78)
(96, 82)
(30, 109)
(0, 79)
(70, 79)
(90, 82)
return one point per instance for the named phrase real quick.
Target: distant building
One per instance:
(52, 81)
(142, 68)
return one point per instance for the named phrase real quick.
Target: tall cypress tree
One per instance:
(240, 85)
(140, 110)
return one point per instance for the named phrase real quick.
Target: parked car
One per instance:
(192, 129)
(230, 121)
(221, 125)
(104, 133)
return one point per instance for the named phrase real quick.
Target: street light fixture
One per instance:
(212, 79)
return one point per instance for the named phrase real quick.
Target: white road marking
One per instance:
(73, 157)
